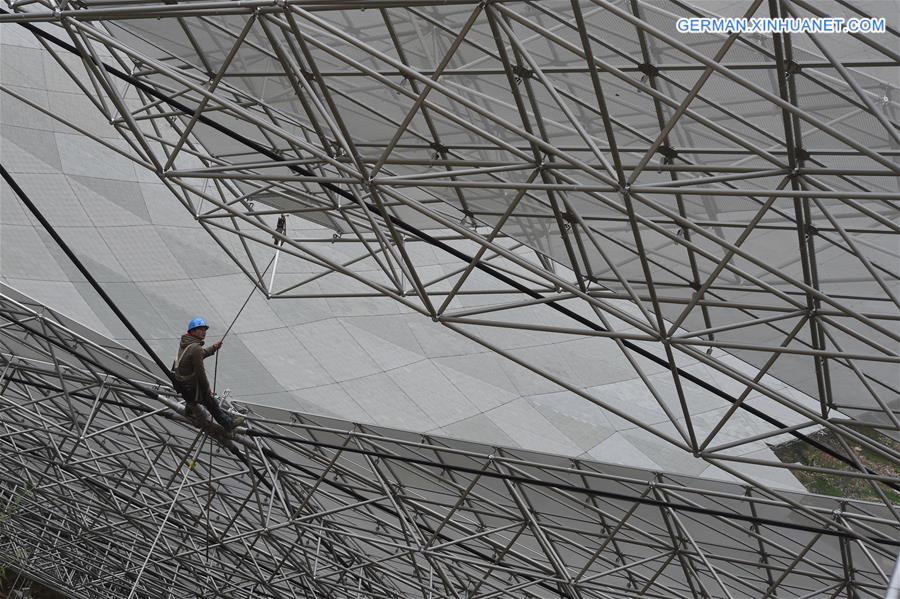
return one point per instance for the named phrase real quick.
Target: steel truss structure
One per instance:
(485, 129)
(111, 492)
(728, 201)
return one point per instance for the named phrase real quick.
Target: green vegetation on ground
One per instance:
(800, 452)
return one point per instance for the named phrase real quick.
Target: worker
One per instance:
(190, 375)
(280, 229)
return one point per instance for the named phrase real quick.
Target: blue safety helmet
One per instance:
(197, 323)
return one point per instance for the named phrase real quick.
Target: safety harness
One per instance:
(183, 383)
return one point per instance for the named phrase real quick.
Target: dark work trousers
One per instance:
(192, 398)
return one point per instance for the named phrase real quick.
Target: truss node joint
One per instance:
(522, 73)
(669, 154)
(648, 69)
(792, 69)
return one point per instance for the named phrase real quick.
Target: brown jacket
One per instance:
(189, 370)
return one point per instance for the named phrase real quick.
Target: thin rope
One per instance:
(228, 330)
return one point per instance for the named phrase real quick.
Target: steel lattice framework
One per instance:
(724, 200)
(111, 492)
